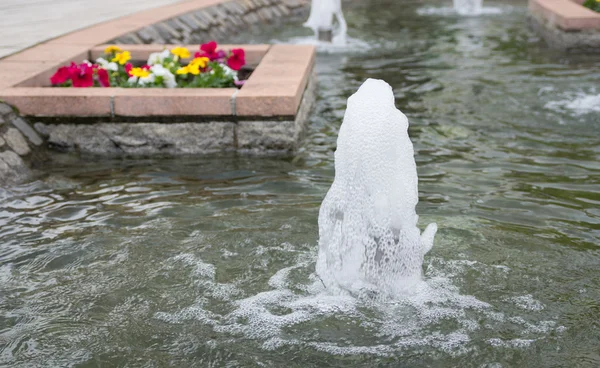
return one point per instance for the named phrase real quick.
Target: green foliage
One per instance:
(592, 4)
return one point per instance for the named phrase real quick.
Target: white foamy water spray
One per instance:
(322, 13)
(368, 235)
(468, 7)
(578, 103)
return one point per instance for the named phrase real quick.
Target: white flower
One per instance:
(147, 80)
(104, 64)
(167, 76)
(158, 57)
(230, 72)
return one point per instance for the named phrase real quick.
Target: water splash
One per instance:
(368, 235)
(577, 103)
(322, 13)
(468, 7)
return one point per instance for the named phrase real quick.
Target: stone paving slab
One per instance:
(24, 23)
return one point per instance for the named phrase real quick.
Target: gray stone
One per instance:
(275, 12)
(27, 130)
(16, 142)
(5, 109)
(166, 32)
(177, 25)
(149, 35)
(12, 168)
(42, 128)
(266, 136)
(282, 137)
(570, 42)
(203, 24)
(190, 21)
(283, 9)
(80, 137)
(251, 18)
(292, 3)
(2, 142)
(144, 138)
(12, 159)
(236, 21)
(234, 8)
(221, 12)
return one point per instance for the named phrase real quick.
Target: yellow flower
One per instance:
(194, 66)
(112, 49)
(183, 70)
(202, 62)
(122, 57)
(181, 52)
(139, 72)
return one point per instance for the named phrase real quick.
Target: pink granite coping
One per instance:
(566, 14)
(254, 53)
(275, 88)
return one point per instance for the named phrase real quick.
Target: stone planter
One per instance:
(267, 115)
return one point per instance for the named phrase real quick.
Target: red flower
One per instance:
(237, 59)
(209, 50)
(128, 68)
(103, 78)
(62, 75)
(82, 75)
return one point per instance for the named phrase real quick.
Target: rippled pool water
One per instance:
(209, 262)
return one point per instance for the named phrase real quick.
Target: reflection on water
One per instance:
(210, 262)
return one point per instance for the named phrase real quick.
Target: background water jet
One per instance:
(320, 20)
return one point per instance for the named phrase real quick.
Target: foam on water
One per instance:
(350, 45)
(290, 310)
(368, 235)
(449, 11)
(577, 103)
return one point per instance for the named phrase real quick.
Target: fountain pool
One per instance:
(211, 262)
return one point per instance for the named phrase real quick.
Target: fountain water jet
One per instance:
(321, 17)
(368, 235)
(468, 7)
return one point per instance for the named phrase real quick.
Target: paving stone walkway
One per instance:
(24, 23)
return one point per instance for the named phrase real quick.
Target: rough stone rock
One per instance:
(165, 31)
(12, 168)
(571, 42)
(266, 136)
(260, 137)
(26, 129)
(150, 35)
(190, 21)
(2, 142)
(143, 138)
(42, 129)
(5, 109)
(16, 142)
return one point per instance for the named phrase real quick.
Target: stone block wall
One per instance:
(18, 143)
(218, 22)
(587, 41)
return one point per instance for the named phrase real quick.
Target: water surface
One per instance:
(209, 262)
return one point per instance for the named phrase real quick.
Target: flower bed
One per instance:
(592, 5)
(209, 68)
